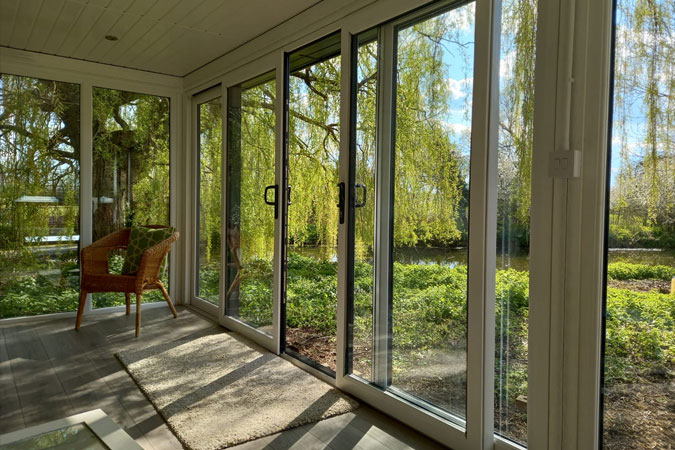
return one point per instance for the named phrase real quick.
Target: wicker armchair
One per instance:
(96, 277)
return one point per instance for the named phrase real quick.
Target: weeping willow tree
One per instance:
(210, 159)
(643, 190)
(516, 117)
(131, 160)
(39, 160)
(258, 125)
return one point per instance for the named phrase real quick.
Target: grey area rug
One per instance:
(217, 391)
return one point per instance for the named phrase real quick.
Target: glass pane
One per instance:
(74, 437)
(311, 278)
(250, 221)
(130, 171)
(431, 190)
(210, 151)
(364, 151)
(39, 196)
(639, 394)
(516, 96)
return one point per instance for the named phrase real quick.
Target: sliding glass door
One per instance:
(313, 199)
(252, 209)
(352, 250)
(409, 280)
(420, 274)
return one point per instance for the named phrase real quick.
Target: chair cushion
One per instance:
(141, 239)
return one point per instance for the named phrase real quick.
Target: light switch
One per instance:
(564, 164)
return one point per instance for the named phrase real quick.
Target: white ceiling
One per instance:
(172, 37)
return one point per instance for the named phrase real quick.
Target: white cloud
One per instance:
(458, 88)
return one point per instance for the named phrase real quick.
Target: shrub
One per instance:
(640, 333)
(629, 271)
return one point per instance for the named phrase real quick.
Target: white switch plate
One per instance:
(565, 164)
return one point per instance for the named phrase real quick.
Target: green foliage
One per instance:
(636, 235)
(429, 308)
(628, 271)
(29, 296)
(640, 333)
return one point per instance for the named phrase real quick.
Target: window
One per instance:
(250, 185)
(639, 340)
(210, 118)
(516, 128)
(311, 215)
(130, 170)
(433, 91)
(39, 196)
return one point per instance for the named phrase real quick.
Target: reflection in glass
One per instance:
(516, 99)
(250, 221)
(210, 151)
(434, 85)
(74, 437)
(130, 171)
(39, 196)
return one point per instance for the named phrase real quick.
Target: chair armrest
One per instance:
(94, 257)
(151, 261)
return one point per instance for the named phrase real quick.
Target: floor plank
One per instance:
(49, 371)
(10, 407)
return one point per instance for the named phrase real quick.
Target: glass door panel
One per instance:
(251, 202)
(434, 66)
(639, 334)
(130, 183)
(409, 221)
(361, 345)
(312, 195)
(210, 117)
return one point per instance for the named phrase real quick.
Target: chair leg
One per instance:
(167, 298)
(80, 308)
(127, 297)
(138, 314)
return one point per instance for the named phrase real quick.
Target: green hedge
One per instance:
(629, 271)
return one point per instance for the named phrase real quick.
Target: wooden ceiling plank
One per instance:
(8, 11)
(182, 56)
(197, 16)
(120, 5)
(23, 23)
(181, 10)
(159, 31)
(120, 29)
(97, 33)
(63, 23)
(163, 7)
(129, 40)
(80, 29)
(141, 7)
(45, 23)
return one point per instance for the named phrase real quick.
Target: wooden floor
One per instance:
(49, 371)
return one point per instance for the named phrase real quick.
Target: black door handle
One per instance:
(341, 202)
(288, 193)
(273, 202)
(362, 203)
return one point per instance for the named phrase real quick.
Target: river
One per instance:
(454, 256)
